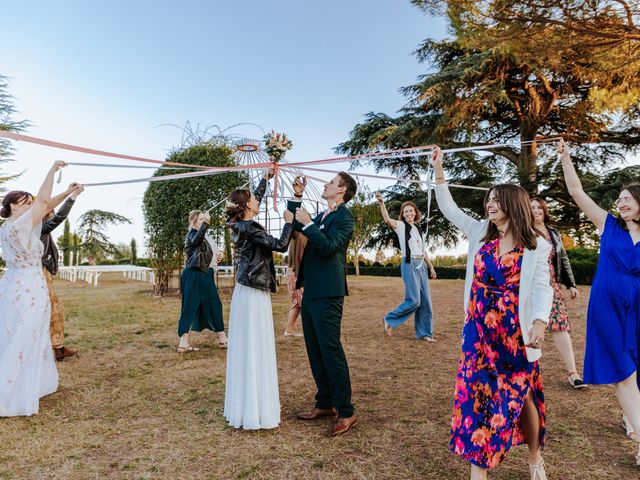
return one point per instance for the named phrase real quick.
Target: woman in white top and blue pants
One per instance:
(417, 299)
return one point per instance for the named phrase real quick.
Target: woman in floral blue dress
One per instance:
(499, 399)
(612, 354)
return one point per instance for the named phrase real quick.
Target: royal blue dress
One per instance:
(613, 317)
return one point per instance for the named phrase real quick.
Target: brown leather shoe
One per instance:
(64, 352)
(343, 425)
(59, 352)
(68, 352)
(316, 413)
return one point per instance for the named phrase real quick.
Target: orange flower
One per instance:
(491, 319)
(497, 421)
(480, 436)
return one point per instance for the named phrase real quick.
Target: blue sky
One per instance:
(106, 74)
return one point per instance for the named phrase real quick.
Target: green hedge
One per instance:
(442, 272)
(583, 263)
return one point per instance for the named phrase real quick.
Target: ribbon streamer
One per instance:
(91, 151)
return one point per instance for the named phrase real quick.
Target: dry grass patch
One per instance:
(130, 407)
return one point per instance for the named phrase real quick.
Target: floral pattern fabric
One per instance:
(494, 376)
(295, 294)
(559, 318)
(27, 367)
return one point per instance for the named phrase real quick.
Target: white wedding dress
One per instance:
(251, 397)
(27, 367)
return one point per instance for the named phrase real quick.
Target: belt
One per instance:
(416, 256)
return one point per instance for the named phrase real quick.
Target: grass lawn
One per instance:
(130, 407)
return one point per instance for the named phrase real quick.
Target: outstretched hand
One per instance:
(299, 184)
(437, 157)
(58, 164)
(268, 173)
(563, 150)
(379, 197)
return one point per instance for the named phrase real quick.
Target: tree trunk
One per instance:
(357, 264)
(163, 277)
(527, 166)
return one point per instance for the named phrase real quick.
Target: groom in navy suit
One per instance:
(322, 273)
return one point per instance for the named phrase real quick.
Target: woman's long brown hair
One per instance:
(515, 203)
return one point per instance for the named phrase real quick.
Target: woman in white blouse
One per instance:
(417, 299)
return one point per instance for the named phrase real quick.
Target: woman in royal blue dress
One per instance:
(499, 398)
(613, 316)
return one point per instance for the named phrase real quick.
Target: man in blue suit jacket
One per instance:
(322, 273)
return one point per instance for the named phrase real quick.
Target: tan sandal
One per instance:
(188, 349)
(388, 329)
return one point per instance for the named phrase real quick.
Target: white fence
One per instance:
(91, 274)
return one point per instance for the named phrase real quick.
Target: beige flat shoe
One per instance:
(631, 435)
(537, 471)
(188, 349)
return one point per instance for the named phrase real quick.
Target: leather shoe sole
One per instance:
(316, 413)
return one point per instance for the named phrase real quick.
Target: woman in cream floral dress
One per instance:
(27, 367)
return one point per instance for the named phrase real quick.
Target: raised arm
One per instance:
(385, 215)
(40, 206)
(260, 190)
(63, 212)
(590, 208)
(446, 204)
(58, 199)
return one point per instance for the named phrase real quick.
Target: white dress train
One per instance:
(251, 396)
(27, 367)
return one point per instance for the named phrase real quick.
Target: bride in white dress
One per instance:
(251, 393)
(27, 367)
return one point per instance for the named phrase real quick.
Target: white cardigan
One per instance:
(536, 294)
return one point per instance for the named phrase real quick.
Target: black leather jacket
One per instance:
(198, 250)
(564, 274)
(254, 247)
(50, 255)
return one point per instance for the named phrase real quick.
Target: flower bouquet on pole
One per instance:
(276, 145)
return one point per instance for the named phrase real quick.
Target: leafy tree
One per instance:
(167, 205)
(134, 251)
(366, 215)
(76, 249)
(65, 242)
(7, 123)
(95, 242)
(480, 91)
(601, 24)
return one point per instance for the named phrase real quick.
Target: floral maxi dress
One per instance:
(27, 367)
(494, 376)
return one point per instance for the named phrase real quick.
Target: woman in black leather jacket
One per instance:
(201, 306)
(251, 396)
(560, 270)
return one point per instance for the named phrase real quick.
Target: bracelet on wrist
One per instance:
(297, 196)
